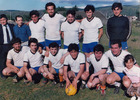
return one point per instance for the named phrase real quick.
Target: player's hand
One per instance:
(47, 53)
(51, 76)
(40, 50)
(91, 77)
(67, 83)
(135, 85)
(16, 70)
(74, 83)
(29, 77)
(86, 73)
(62, 60)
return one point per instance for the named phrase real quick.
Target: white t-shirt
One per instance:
(38, 30)
(71, 32)
(75, 64)
(117, 60)
(103, 63)
(34, 59)
(52, 26)
(55, 60)
(17, 57)
(133, 74)
(91, 29)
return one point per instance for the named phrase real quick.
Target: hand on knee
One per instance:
(89, 85)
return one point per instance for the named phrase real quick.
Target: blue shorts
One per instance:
(36, 68)
(124, 45)
(87, 48)
(42, 44)
(121, 75)
(76, 74)
(19, 67)
(57, 70)
(47, 42)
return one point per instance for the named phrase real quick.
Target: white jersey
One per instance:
(103, 63)
(17, 57)
(38, 30)
(75, 64)
(55, 60)
(71, 32)
(117, 60)
(34, 59)
(133, 74)
(91, 29)
(52, 26)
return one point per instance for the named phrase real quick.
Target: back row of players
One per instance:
(60, 60)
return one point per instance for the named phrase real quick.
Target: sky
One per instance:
(28, 5)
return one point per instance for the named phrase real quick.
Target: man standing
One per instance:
(52, 25)
(118, 26)
(21, 30)
(6, 35)
(92, 30)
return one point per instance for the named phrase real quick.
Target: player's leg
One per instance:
(126, 81)
(21, 72)
(84, 78)
(7, 71)
(61, 73)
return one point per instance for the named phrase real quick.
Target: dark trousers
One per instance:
(3, 55)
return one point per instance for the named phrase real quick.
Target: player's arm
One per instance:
(102, 71)
(63, 57)
(46, 70)
(66, 76)
(80, 35)
(8, 64)
(100, 33)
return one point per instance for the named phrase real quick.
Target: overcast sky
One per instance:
(28, 5)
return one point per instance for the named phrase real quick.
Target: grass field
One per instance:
(21, 91)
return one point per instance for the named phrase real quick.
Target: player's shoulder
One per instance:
(124, 52)
(108, 52)
(81, 55)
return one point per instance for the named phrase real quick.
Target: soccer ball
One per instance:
(71, 90)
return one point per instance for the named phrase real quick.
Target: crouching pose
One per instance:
(101, 69)
(16, 55)
(132, 79)
(56, 57)
(34, 59)
(73, 65)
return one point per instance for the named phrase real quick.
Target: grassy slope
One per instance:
(21, 91)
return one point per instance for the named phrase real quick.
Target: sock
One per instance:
(118, 84)
(83, 82)
(60, 78)
(103, 87)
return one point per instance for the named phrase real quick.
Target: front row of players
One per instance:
(72, 66)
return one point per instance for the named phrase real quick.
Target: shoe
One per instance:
(83, 86)
(133, 98)
(103, 92)
(61, 85)
(116, 90)
(15, 79)
(54, 82)
(98, 87)
(26, 81)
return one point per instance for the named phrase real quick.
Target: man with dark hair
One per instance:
(34, 59)
(92, 30)
(6, 35)
(21, 30)
(76, 62)
(100, 64)
(118, 26)
(37, 27)
(116, 55)
(52, 24)
(70, 29)
(16, 55)
(56, 56)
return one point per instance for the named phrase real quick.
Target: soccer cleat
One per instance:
(116, 90)
(15, 79)
(83, 86)
(98, 87)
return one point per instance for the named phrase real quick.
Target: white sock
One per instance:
(117, 84)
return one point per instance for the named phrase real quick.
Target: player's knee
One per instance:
(126, 83)
(89, 85)
(4, 72)
(101, 77)
(83, 77)
(109, 80)
(61, 71)
(20, 74)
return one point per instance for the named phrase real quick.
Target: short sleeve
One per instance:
(105, 62)
(26, 59)
(46, 60)
(99, 25)
(82, 25)
(9, 55)
(82, 59)
(66, 61)
(62, 27)
(62, 18)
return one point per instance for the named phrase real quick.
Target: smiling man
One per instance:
(118, 26)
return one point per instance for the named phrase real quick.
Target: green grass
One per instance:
(21, 91)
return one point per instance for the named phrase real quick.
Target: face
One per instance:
(33, 47)
(70, 18)
(116, 49)
(98, 54)
(19, 21)
(74, 54)
(117, 11)
(129, 64)
(50, 10)
(53, 50)
(89, 14)
(34, 18)
(3, 21)
(17, 46)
